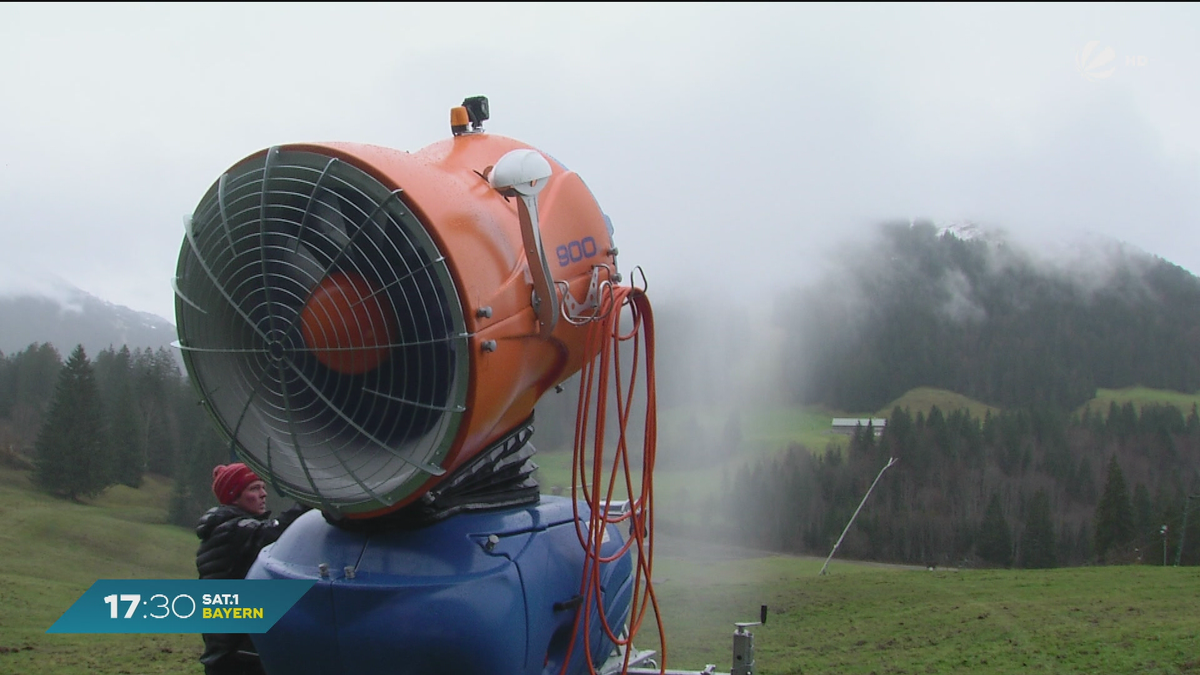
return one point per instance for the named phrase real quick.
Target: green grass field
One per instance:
(859, 619)
(54, 550)
(1141, 397)
(682, 483)
(863, 619)
(922, 399)
(765, 432)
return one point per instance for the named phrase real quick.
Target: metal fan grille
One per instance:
(353, 424)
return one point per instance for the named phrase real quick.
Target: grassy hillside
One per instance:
(872, 620)
(766, 431)
(686, 474)
(54, 550)
(1141, 397)
(922, 399)
(859, 619)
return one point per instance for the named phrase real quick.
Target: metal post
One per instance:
(743, 646)
(743, 653)
(891, 461)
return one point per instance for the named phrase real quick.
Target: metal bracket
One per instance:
(579, 313)
(523, 173)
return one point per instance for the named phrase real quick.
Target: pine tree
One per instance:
(1114, 515)
(6, 388)
(995, 539)
(1146, 529)
(30, 378)
(71, 449)
(114, 376)
(1083, 542)
(191, 493)
(1037, 540)
(125, 440)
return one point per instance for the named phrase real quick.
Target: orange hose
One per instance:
(604, 339)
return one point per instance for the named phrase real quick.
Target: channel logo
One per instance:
(1096, 63)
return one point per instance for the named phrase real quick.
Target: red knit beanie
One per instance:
(230, 479)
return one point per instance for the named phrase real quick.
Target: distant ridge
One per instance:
(965, 309)
(74, 317)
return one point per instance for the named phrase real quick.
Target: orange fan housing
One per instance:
(347, 323)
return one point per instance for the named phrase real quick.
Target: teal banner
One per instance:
(181, 606)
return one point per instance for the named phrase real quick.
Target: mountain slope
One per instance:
(75, 317)
(982, 317)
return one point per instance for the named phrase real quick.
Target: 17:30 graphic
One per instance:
(181, 605)
(168, 606)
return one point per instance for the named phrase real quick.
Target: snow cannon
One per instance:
(371, 329)
(363, 321)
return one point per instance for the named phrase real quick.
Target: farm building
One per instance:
(847, 425)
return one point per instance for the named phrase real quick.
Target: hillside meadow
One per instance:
(767, 430)
(860, 618)
(54, 550)
(695, 461)
(863, 619)
(1141, 397)
(923, 399)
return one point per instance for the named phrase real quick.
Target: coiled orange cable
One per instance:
(605, 333)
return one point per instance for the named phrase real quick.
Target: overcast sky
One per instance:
(733, 145)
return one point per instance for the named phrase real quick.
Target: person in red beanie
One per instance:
(231, 535)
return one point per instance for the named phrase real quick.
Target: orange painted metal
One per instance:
(344, 311)
(478, 231)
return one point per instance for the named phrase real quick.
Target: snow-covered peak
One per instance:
(37, 306)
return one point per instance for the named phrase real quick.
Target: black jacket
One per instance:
(231, 538)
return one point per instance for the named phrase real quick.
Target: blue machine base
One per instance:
(491, 592)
